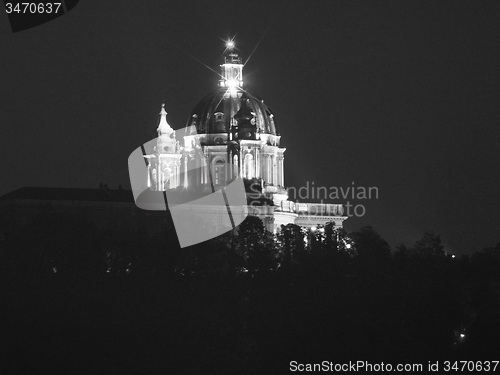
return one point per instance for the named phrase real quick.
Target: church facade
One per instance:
(229, 134)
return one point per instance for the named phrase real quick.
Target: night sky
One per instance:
(404, 96)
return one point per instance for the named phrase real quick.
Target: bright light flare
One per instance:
(230, 44)
(233, 92)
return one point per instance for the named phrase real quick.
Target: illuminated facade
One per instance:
(236, 135)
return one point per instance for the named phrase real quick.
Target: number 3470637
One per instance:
(471, 366)
(32, 8)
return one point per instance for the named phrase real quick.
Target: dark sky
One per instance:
(404, 96)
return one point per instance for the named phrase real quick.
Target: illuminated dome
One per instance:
(231, 112)
(215, 113)
(230, 150)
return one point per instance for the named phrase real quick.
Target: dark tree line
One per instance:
(77, 299)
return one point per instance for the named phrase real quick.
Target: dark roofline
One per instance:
(69, 194)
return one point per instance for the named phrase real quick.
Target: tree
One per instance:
(291, 238)
(60, 243)
(485, 264)
(331, 237)
(256, 245)
(373, 251)
(428, 246)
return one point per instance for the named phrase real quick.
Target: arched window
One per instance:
(219, 116)
(167, 175)
(249, 166)
(219, 172)
(219, 126)
(235, 166)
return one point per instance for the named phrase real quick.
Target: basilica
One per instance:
(232, 134)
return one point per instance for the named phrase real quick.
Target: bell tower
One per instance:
(165, 161)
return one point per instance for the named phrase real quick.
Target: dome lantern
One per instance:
(231, 112)
(232, 68)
